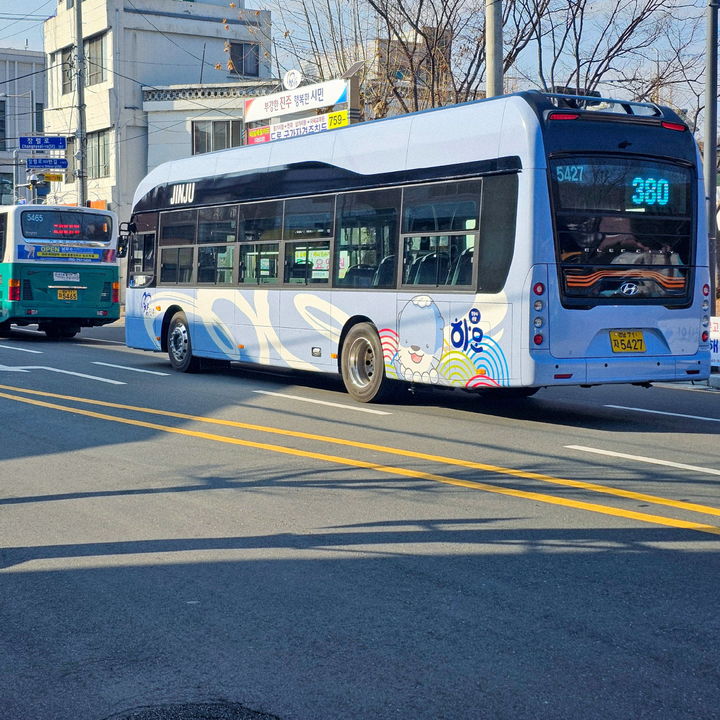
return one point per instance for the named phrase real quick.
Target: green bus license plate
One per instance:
(67, 294)
(627, 341)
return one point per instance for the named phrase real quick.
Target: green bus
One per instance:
(58, 268)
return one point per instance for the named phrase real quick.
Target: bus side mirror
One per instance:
(126, 229)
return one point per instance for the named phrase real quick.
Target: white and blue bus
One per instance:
(509, 244)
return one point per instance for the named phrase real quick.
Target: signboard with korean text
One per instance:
(309, 125)
(61, 252)
(307, 97)
(258, 135)
(35, 163)
(43, 143)
(715, 341)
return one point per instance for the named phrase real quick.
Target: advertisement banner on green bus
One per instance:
(61, 252)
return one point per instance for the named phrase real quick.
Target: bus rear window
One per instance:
(623, 228)
(621, 185)
(66, 226)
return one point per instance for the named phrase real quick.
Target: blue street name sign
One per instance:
(43, 143)
(34, 163)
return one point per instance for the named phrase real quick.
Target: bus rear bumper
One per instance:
(595, 371)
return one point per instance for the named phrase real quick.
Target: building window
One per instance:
(3, 125)
(94, 60)
(209, 135)
(70, 157)
(98, 154)
(39, 118)
(245, 58)
(66, 70)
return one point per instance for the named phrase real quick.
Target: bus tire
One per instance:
(362, 367)
(179, 345)
(5, 328)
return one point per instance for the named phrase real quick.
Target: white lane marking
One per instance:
(641, 458)
(662, 412)
(99, 340)
(323, 402)
(27, 368)
(8, 368)
(688, 388)
(19, 349)
(124, 367)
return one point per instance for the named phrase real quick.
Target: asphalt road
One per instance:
(240, 544)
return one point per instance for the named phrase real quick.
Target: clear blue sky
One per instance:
(20, 22)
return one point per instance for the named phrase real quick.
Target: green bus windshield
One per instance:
(66, 226)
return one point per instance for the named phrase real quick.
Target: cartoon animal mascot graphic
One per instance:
(420, 341)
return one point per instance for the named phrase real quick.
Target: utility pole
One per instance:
(80, 136)
(493, 48)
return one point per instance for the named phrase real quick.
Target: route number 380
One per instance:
(649, 191)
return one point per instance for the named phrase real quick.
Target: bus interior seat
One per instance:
(413, 270)
(298, 272)
(432, 267)
(359, 275)
(385, 274)
(461, 271)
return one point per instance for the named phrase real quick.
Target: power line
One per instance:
(26, 18)
(37, 72)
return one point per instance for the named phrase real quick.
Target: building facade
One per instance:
(22, 101)
(191, 119)
(131, 48)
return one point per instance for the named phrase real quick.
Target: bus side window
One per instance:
(141, 264)
(497, 231)
(366, 239)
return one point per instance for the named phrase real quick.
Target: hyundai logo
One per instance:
(629, 288)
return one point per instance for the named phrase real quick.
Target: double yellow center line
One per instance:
(405, 472)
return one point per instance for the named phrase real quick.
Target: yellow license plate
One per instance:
(627, 341)
(67, 294)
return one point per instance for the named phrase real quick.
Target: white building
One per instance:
(136, 45)
(22, 99)
(191, 119)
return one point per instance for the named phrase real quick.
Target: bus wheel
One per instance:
(5, 328)
(179, 345)
(60, 331)
(361, 365)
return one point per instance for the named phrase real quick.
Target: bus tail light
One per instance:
(115, 293)
(563, 116)
(706, 289)
(14, 289)
(705, 336)
(673, 126)
(538, 339)
(538, 288)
